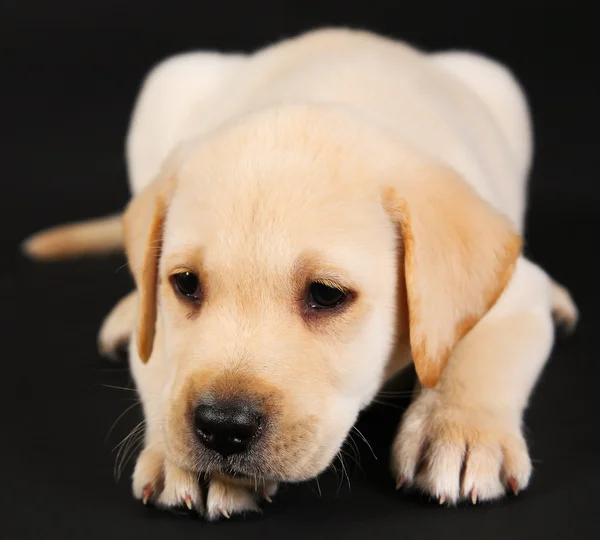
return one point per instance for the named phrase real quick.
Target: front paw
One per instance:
(225, 499)
(158, 481)
(454, 452)
(116, 329)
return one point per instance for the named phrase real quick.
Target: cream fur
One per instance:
(349, 155)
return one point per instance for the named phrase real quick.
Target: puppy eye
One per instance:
(187, 285)
(321, 296)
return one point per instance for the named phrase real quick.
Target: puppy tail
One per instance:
(94, 237)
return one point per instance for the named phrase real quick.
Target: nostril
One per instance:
(206, 435)
(227, 427)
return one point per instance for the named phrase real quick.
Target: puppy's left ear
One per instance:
(143, 223)
(459, 254)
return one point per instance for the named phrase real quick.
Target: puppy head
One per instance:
(272, 291)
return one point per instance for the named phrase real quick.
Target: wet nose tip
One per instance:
(227, 427)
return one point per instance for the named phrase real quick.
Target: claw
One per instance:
(512, 482)
(147, 493)
(400, 482)
(266, 496)
(225, 513)
(473, 496)
(188, 502)
(442, 499)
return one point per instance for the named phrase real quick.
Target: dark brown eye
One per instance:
(321, 296)
(187, 285)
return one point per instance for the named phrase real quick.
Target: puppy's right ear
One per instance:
(143, 223)
(459, 255)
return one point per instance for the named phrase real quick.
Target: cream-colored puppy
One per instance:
(306, 221)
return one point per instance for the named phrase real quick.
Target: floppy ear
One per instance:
(143, 223)
(459, 254)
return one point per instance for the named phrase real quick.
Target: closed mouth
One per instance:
(232, 473)
(245, 478)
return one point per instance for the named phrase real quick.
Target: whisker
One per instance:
(386, 404)
(333, 467)
(344, 472)
(119, 418)
(128, 454)
(355, 450)
(133, 432)
(118, 387)
(124, 452)
(131, 444)
(364, 439)
(395, 393)
(354, 458)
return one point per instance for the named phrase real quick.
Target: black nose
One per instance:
(227, 427)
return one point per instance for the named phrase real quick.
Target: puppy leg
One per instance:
(226, 498)
(117, 326)
(156, 479)
(463, 438)
(564, 310)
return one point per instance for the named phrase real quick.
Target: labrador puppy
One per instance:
(306, 221)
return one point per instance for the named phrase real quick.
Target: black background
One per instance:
(69, 72)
